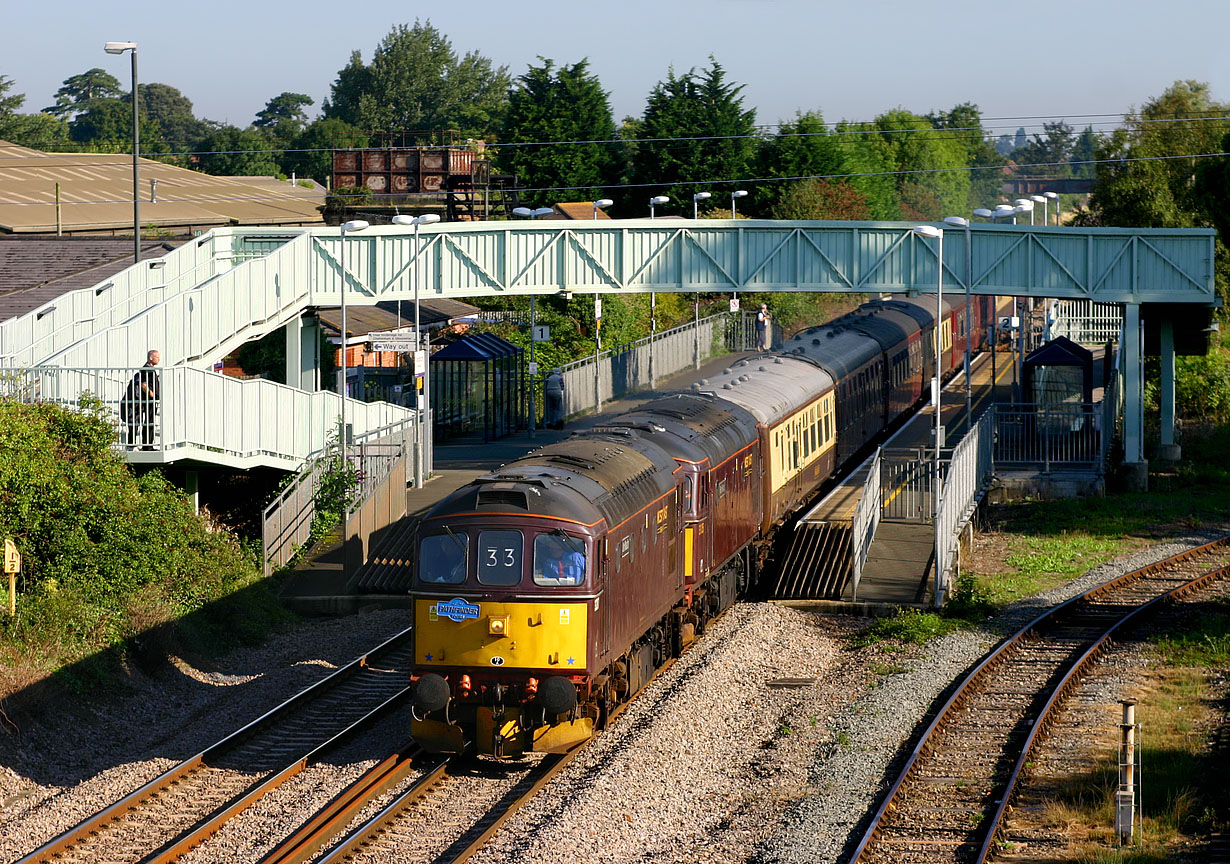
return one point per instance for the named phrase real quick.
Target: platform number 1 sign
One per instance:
(12, 566)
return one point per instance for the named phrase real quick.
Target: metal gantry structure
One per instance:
(200, 302)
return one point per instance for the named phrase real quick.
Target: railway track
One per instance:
(177, 810)
(950, 798)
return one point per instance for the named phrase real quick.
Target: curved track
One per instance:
(950, 798)
(177, 810)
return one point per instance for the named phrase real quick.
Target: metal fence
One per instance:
(1086, 322)
(967, 477)
(1049, 437)
(641, 364)
(381, 459)
(225, 420)
(866, 520)
(907, 481)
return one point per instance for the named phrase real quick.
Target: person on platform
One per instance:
(553, 411)
(139, 406)
(764, 328)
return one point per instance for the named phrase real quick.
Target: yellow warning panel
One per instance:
(537, 635)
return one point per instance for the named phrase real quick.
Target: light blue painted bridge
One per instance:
(200, 302)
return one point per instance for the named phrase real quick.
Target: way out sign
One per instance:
(12, 566)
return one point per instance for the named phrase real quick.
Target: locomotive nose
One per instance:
(558, 695)
(431, 693)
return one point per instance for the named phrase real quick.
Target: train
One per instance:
(549, 591)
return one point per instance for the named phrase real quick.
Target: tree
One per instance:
(284, 116)
(28, 130)
(964, 123)
(822, 199)
(803, 148)
(417, 82)
(695, 134)
(172, 111)
(106, 126)
(234, 152)
(1047, 155)
(930, 165)
(550, 106)
(81, 90)
(310, 154)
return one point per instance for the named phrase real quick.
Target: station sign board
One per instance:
(399, 342)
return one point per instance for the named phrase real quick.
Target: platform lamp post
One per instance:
(352, 225)
(1052, 196)
(959, 222)
(527, 213)
(423, 401)
(738, 193)
(120, 48)
(696, 199)
(1004, 211)
(1025, 205)
(937, 481)
(601, 204)
(653, 297)
(1041, 199)
(984, 213)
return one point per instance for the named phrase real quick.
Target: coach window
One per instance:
(499, 557)
(442, 558)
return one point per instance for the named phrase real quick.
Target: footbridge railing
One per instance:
(194, 414)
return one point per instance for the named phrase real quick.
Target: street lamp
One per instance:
(1024, 205)
(958, 222)
(938, 235)
(1053, 196)
(523, 212)
(419, 352)
(697, 198)
(657, 199)
(739, 193)
(120, 48)
(985, 213)
(1040, 199)
(601, 204)
(1003, 211)
(352, 225)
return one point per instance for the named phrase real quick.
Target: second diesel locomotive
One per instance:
(549, 590)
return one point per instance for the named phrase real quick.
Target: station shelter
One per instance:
(478, 385)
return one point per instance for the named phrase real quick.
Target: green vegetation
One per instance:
(110, 561)
(1205, 642)
(907, 625)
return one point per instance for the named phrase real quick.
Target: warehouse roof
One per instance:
(96, 195)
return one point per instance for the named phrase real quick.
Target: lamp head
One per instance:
(119, 47)
(660, 199)
(354, 225)
(1004, 209)
(1038, 199)
(929, 231)
(959, 222)
(1051, 195)
(701, 196)
(427, 219)
(1023, 205)
(402, 219)
(740, 193)
(984, 213)
(603, 202)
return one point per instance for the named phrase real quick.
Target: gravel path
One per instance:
(711, 763)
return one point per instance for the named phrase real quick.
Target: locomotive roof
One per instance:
(691, 427)
(838, 347)
(770, 386)
(586, 478)
(890, 327)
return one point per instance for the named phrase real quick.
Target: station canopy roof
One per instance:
(96, 195)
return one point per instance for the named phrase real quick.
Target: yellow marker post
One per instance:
(12, 566)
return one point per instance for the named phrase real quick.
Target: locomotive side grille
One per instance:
(502, 498)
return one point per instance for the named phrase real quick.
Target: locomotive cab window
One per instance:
(442, 558)
(559, 559)
(499, 557)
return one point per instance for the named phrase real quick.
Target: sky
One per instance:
(1019, 62)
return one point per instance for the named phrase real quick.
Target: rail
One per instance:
(247, 424)
(641, 364)
(30, 339)
(1061, 436)
(865, 522)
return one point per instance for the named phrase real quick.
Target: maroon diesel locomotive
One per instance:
(549, 591)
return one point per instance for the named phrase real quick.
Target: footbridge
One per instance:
(203, 300)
